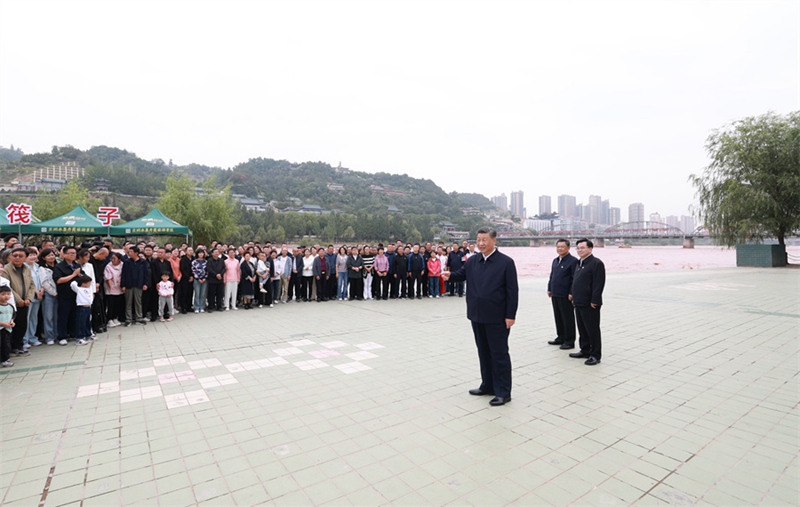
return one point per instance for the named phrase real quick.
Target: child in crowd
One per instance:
(6, 325)
(83, 286)
(165, 291)
(434, 270)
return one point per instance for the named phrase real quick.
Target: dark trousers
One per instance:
(401, 286)
(150, 303)
(83, 322)
(458, 288)
(424, 281)
(382, 290)
(99, 312)
(589, 329)
(564, 314)
(215, 292)
(330, 283)
(357, 288)
(492, 343)
(116, 307)
(5, 344)
(321, 285)
(415, 285)
(20, 328)
(65, 319)
(306, 288)
(185, 295)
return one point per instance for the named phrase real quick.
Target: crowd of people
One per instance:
(70, 294)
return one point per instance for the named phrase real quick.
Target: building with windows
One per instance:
(544, 205)
(566, 206)
(501, 201)
(636, 212)
(518, 204)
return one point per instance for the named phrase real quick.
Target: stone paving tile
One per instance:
(365, 404)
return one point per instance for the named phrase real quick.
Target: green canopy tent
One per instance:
(154, 223)
(77, 222)
(6, 227)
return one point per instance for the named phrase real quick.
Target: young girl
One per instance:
(7, 312)
(166, 290)
(434, 270)
(83, 286)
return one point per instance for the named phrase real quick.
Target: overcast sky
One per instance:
(549, 97)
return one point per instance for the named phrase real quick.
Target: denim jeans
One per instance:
(433, 287)
(33, 322)
(341, 285)
(200, 290)
(49, 310)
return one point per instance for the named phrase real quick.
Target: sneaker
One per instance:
(169, 319)
(51, 342)
(6, 364)
(81, 341)
(197, 311)
(143, 322)
(162, 319)
(235, 307)
(202, 311)
(112, 323)
(36, 343)
(263, 291)
(272, 306)
(26, 346)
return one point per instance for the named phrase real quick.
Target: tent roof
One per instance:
(77, 222)
(153, 223)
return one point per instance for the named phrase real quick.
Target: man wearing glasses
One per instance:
(23, 288)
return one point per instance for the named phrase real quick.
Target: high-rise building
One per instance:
(687, 224)
(673, 221)
(614, 216)
(566, 206)
(518, 204)
(501, 201)
(604, 207)
(544, 205)
(636, 212)
(655, 217)
(593, 213)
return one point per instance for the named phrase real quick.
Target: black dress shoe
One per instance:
(566, 346)
(555, 342)
(592, 361)
(497, 401)
(579, 355)
(479, 392)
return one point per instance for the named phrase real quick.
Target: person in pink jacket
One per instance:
(434, 270)
(232, 278)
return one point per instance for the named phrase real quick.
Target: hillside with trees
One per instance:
(357, 205)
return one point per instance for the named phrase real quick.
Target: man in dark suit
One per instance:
(558, 288)
(492, 299)
(587, 297)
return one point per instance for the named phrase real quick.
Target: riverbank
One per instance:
(536, 261)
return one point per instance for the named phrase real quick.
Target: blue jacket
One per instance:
(492, 289)
(560, 282)
(135, 274)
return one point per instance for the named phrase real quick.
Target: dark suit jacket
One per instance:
(492, 290)
(588, 282)
(561, 274)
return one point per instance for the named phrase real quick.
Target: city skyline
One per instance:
(611, 98)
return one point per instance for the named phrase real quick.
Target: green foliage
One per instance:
(209, 217)
(48, 205)
(751, 190)
(10, 154)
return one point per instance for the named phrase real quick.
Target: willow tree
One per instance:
(751, 190)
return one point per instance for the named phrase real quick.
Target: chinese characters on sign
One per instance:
(18, 213)
(107, 214)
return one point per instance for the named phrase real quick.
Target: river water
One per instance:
(536, 261)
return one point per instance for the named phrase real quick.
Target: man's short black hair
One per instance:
(562, 240)
(588, 242)
(488, 230)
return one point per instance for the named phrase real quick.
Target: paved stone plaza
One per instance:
(365, 403)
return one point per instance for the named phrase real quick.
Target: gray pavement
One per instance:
(365, 403)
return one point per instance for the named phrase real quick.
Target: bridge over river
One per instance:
(627, 230)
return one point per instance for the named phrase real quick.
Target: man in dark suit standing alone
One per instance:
(492, 299)
(558, 288)
(587, 297)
